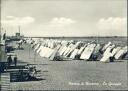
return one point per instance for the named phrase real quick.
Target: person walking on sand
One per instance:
(9, 60)
(15, 60)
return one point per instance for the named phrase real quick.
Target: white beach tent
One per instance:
(87, 52)
(73, 47)
(82, 49)
(97, 48)
(74, 53)
(63, 50)
(39, 49)
(106, 46)
(109, 49)
(55, 52)
(49, 54)
(20, 41)
(115, 50)
(37, 46)
(42, 51)
(96, 53)
(107, 54)
(68, 49)
(46, 51)
(34, 43)
(106, 57)
(121, 52)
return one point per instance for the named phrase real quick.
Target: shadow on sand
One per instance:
(17, 67)
(19, 62)
(23, 75)
(117, 61)
(38, 64)
(19, 48)
(29, 80)
(61, 60)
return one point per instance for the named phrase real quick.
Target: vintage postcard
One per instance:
(63, 45)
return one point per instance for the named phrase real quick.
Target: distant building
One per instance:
(17, 37)
(17, 34)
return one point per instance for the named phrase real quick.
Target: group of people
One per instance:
(10, 60)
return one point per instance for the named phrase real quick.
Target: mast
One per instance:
(19, 29)
(0, 35)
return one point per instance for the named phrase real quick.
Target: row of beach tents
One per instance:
(54, 49)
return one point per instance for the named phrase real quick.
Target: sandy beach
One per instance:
(72, 74)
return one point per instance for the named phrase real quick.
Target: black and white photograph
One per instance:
(63, 45)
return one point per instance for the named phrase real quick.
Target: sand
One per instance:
(72, 74)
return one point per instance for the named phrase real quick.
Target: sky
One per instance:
(65, 17)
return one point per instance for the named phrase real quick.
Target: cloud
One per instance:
(57, 26)
(113, 25)
(61, 21)
(10, 17)
(15, 21)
